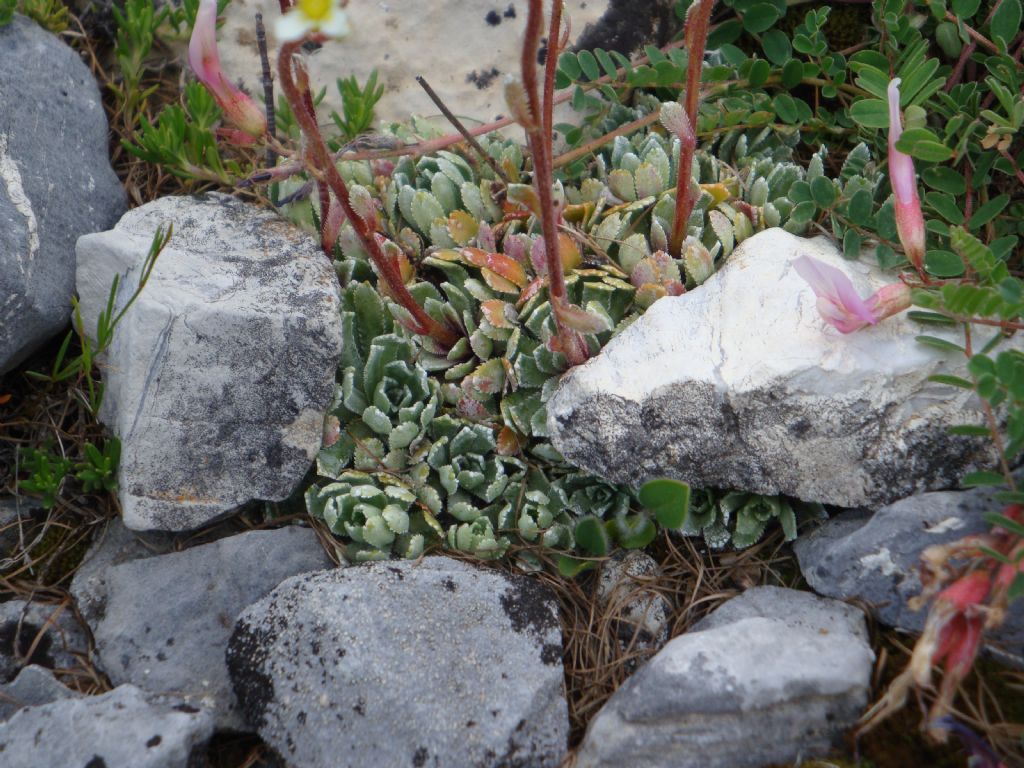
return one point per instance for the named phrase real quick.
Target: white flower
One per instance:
(324, 16)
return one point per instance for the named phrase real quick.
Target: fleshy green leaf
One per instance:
(668, 499)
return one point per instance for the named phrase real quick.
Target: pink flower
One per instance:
(838, 301)
(909, 219)
(239, 110)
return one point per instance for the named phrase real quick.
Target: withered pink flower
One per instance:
(239, 109)
(952, 634)
(840, 305)
(909, 219)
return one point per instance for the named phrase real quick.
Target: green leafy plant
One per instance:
(181, 16)
(182, 139)
(45, 474)
(98, 472)
(137, 24)
(51, 15)
(81, 366)
(357, 103)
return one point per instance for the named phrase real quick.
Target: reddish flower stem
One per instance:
(695, 36)
(550, 65)
(322, 190)
(321, 164)
(540, 150)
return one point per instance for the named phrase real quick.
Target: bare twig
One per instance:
(461, 129)
(268, 88)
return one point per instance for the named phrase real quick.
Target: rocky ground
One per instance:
(191, 621)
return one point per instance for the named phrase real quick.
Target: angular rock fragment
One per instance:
(772, 676)
(219, 375)
(113, 546)
(876, 557)
(43, 634)
(120, 729)
(435, 663)
(740, 384)
(642, 616)
(33, 687)
(164, 621)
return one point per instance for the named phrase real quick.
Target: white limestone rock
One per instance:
(219, 375)
(740, 384)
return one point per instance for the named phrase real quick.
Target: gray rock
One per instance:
(642, 615)
(759, 394)
(33, 687)
(56, 182)
(115, 545)
(166, 620)
(777, 677)
(799, 610)
(120, 729)
(220, 374)
(430, 664)
(38, 633)
(875, 557)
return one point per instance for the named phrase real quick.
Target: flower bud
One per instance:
(909, 219)
(239, 109)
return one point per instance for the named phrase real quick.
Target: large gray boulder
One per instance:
(165, 620)
(56, 182)
(219, 376)
(437, 663)
(876, 558)
(740, 384)
(770, 677)
(120, 729)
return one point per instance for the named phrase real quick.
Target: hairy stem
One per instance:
(322, 190)
(698, 20)
(540, 150)
(551, 64)
(320, 159)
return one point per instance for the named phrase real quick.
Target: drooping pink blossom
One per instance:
(840, 305)
(952, 634)
(909, 219)
(239, 109)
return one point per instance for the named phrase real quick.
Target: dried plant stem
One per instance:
(572, 345)
(268, 89)
(320, 160)
(457, 124)
(698, 20)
